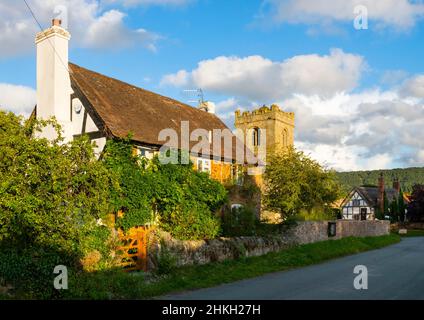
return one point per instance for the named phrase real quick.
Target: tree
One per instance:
(416, 205)
(394, 210)
(51, 193)
(401, 206)
(295, 182)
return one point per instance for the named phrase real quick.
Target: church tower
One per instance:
(266, 130)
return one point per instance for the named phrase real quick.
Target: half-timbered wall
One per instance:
(352, 209)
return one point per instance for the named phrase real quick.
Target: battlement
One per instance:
(274, 109)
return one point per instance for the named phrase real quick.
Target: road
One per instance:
(394, 272)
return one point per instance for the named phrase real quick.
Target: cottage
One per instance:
(363, 202)
(85, 102)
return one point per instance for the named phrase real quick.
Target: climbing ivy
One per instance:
(181, 200)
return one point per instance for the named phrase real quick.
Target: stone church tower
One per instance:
(266, 130)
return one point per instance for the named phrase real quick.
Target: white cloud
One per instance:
(130, 3)
(259, 78)
(344, 128)
(366, 130)
(90, 23)
(398, 14)
(179, 79)
(18, 99)
(414, 86)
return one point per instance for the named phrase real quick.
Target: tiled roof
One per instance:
(371, 194)
(120, 108)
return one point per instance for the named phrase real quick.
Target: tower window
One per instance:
(285, 138)
(256, 137)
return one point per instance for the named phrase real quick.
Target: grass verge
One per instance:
(118, 285)
(414, 233)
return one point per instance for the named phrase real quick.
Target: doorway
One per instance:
(363, 214)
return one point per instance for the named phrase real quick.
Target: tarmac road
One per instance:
(394, 272)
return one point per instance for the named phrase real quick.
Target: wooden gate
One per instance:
(134, 249)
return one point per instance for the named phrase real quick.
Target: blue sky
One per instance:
(357, 94)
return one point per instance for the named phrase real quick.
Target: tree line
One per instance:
(408, 177)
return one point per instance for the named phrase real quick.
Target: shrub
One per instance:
(31, 271)
(166, 261)
(51, 197)
(315, 214)
(239, 222)
(191, 221)
(51, 194)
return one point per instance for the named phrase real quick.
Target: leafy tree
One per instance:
(394, 210)
(51, 193)
(295, 182)
(408, 177)
(379, 214)
(51, 197)
(416, 206)
(386, 204)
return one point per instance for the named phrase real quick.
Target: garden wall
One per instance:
(206, 251)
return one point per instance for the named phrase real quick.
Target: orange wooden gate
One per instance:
(134, 249)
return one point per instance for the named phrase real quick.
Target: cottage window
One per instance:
(203, 165)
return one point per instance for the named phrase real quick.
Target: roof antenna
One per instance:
(197, 93)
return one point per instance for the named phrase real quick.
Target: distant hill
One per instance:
(407, 177)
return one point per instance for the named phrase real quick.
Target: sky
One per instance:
(351, 70)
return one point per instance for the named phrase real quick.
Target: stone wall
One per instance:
(407, 225)
(206, 251)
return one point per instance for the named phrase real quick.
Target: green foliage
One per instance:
(408, 177)
(166, 261)
(190, 221)
(394, 210)
(30, 271)
(239, 222)
(416, 206)
(51, 197)
(134, 193)
(379, 214)
(51, 193)
(183, 200)
(386, 204)
(295, 182)
(316, 214)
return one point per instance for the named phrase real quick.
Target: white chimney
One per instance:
(53, 81)
(207, 106)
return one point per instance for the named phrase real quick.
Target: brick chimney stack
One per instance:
(396, 185)
(380, 199)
